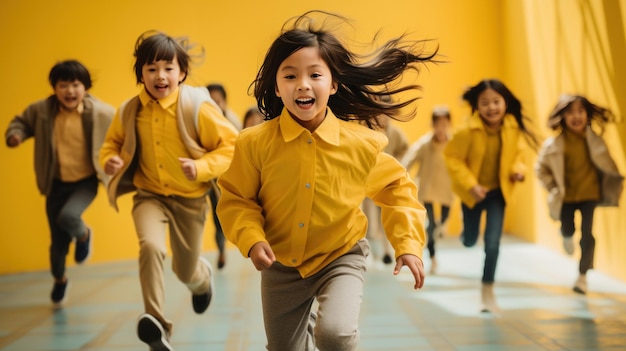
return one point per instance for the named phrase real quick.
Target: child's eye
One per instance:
(290, 76)
(315, 75)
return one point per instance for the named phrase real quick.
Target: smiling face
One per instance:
(304, 83)
(491, 108)
(161, 78)
(575, 117)
(70, 94)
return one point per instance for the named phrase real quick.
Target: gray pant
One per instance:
(287, 300)
(64, 207)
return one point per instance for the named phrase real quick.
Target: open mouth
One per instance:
(305, 102)
(160, 87)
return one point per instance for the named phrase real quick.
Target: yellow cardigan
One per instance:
(464, 156)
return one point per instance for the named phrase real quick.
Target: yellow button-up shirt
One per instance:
(301, 192)
(158, 135)
(71, 147)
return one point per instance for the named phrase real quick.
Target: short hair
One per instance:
(439, 112)
(599, 114)
(69, 71)
(152, 46)
(217, 87)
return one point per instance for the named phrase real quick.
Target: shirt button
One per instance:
(293, 260)
(160, 166)
(158, 143)
(310, 141)
(156, 119)
(307, 185)
(300, 225)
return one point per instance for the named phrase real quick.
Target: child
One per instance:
(432, 176)
(484, 160)
(290, 199)
(397, 146)
(577, 170)
(167, 143)
(68, 128)
(218, 94)
(252, 117)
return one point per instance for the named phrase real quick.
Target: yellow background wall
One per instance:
(480, 39)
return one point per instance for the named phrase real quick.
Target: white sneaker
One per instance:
(581, 284)
(568, 245)
(433, 266)
(488, 299)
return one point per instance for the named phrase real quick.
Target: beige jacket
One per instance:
(37, 121)
(432, 177)
(550, 169)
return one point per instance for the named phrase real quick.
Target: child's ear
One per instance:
(277, 92)
(333, 89)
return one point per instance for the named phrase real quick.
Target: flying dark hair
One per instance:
(152, 46)
(360, 78)
(513, 105)
(217, 87)
(69, 71)
(595, 113)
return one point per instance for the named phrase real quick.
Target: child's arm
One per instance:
(239, 210)
(22, 127)
(455, 155)
(110, 158)
(217, 135)
(390, 187)
(543, 171)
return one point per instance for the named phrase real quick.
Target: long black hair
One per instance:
(513, 106)
(598, 114)
(360, 78)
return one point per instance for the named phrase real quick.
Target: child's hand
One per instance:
(479, 192)
(14, 141)
(262, 255)
(113, 165)
(517, 177)
(415, 265)
(189, 168)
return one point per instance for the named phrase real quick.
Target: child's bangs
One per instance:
(165, 51)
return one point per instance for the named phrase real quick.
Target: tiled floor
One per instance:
(539, 310)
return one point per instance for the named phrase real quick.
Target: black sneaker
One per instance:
(83, 248)
(150, 331)
(387, 259)
(201, 302)
(58, 292)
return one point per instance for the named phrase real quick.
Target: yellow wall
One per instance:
(570, 47)
(539, 48)
(235, 34)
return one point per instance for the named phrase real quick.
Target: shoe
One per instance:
(581, 284)
(221, 260)
(489, 304)
(568, 245)
(387, 259)
(83, 248)
(438, 231)
(433, 265)
(202, 301)
(59, 291)
(150, 331)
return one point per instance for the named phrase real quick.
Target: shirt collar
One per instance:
(144, 97)
(328, 130)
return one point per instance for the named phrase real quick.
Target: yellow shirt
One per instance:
(581, 176)
(301, 192)
(489, 175)
(160, 145)
(73, 155)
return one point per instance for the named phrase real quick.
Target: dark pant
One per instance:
(64, 207)
(432, 224)
(587, 241)
(494, 204)
(219, 233)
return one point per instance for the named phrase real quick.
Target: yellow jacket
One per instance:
(464, 157)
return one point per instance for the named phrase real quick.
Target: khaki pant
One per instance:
(287, 300)
(185, 218)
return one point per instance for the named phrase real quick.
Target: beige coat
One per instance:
(550, 169)
(432, 176)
